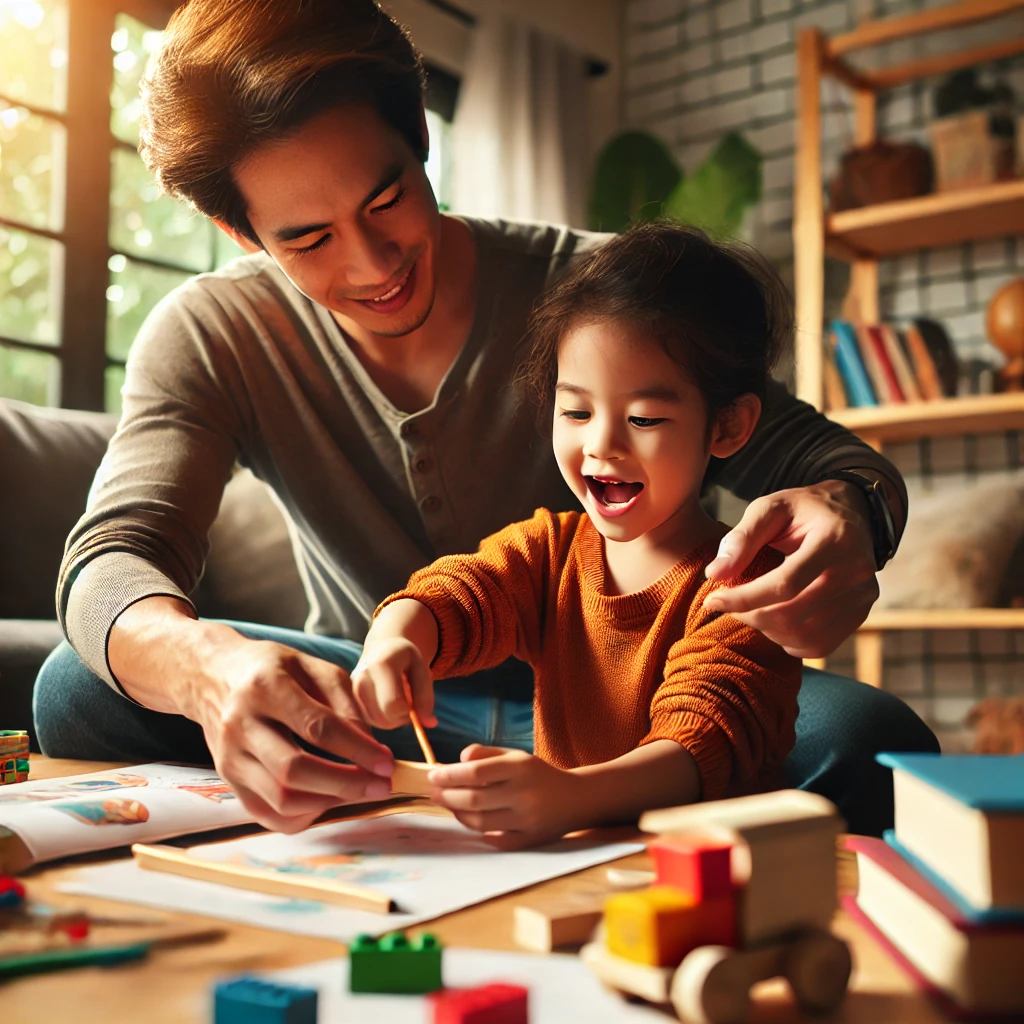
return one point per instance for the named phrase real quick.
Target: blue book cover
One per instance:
(993, 915)
(991, 783)
(851, 366)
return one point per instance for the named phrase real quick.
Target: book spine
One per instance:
(836, 396)
(873, 337)
(924, 366)
(869, 357)
(900, 363)
(850, 365)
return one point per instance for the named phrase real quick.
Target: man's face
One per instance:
(344, 208)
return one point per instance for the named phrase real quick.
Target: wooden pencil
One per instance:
(173, 861)
(417, 725)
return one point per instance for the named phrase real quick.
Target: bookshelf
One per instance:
(865, 235)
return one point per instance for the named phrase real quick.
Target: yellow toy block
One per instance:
(656, 926)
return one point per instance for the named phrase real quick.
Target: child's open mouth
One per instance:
(612, 496)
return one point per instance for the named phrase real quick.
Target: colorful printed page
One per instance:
(561, 990)
(428, 865)
(144, 804)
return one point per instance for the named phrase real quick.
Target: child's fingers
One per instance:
(494, 768)
(488, 821)
(477, 800)
(379, 691)
(421, 685)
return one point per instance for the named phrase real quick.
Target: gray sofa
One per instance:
(48, 458)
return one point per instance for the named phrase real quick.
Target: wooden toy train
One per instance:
(745, 891)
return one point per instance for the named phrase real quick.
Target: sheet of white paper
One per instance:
(562, 990)
(101, 810)
(428, 865)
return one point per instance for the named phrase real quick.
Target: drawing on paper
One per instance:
(79, 787)
(212, 788)
(116, 811)
(346, 867)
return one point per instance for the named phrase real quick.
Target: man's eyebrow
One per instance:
(290, 234)
(387, 179)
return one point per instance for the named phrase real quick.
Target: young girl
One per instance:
(655, 348)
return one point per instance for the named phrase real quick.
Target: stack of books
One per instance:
(944, 893)
(875, 364)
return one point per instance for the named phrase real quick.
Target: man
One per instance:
(361, 363)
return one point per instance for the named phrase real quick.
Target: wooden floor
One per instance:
(173, 986)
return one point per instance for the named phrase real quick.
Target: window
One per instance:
(87, 244)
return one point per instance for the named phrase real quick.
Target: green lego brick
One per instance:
(395, 964)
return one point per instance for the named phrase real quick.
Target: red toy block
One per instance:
(696, 864)
(9, 884)
(489, 1004)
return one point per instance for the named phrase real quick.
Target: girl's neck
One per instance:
(632, 566)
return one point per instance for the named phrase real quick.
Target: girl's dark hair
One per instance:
(719, 309)
(231, 75)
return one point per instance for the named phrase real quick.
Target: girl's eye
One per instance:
(318, 244)
(391, 203)
(576, 414)
(646, 421)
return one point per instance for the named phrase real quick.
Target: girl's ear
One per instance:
(733, 426)
(246, 244)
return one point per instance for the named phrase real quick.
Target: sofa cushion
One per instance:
(48, 458)
(24, 646)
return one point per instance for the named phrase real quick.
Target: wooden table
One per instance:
(173, 986)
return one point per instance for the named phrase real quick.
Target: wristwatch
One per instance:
(883, 529)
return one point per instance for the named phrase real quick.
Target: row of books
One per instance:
(944, 892)
(875, 364)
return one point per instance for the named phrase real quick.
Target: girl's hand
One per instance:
(378, 683)
(514, 798)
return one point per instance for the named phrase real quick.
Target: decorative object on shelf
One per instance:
(1004, 323)
(998, 724)
(636, 178)
(973, 134)
(880, 173)
(956, 545)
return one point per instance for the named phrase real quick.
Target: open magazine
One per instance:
(48, 818)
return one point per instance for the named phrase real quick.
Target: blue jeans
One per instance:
(841, 726)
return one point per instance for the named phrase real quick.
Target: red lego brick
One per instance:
(697, 865)
(489, 1004)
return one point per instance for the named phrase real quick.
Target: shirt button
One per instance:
(431, 503)
(422, 465)
(407, 429)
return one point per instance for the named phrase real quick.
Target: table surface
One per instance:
(173, 985)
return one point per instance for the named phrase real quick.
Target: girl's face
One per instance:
(630, 431)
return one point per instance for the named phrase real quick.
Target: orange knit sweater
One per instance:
(615, 672)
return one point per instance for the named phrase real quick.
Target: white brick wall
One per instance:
(699, 68)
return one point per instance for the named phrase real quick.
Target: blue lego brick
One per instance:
(254, 1001)
(395, 964)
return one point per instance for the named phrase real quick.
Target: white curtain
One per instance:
(520, 129)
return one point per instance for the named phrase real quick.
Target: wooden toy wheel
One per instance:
(817, 968)
(707, 988)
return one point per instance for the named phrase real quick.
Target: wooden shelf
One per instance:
(932, 221)
(887, 619)
(908, 421)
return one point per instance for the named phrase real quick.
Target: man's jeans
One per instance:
(841, 726)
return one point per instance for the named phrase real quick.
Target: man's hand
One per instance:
(825, 587)
(379, 679)
(265, 696)
(514, 798)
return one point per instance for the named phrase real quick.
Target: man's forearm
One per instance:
(159, 652)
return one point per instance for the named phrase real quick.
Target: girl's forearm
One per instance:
(658, 774)
(409, 619)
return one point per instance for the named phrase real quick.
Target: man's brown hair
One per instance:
(235, 74)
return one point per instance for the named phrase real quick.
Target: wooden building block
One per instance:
(654, 926)
(255, 1001)
(698, 865)
(544, 926)
(496, 1003)
(785, 859)
(395, 964)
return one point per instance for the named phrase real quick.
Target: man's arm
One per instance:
(139, 550)
(826, 586)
